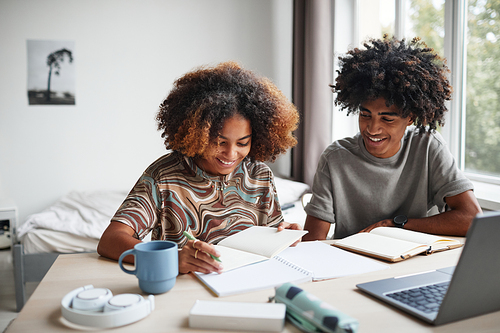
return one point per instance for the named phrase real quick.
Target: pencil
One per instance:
(190, 237)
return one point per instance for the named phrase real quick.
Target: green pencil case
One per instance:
(310, 314)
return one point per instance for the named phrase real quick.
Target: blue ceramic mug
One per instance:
(156, 265)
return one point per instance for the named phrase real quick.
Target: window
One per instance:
(376, 18)
(425, 18)
(482, 111)
(471, 45)
(467, 33)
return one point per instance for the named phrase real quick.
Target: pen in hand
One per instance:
(190, 237)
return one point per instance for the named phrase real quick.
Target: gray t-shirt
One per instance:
(355, 189)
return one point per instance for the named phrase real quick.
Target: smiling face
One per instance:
(381, 127)
(232, 146)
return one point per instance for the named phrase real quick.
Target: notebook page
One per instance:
(265, 241)
(232, 258)
(262, 275)
(328, 262)
(373, 244)
(411, 236)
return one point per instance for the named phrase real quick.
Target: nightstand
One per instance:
(8, 224)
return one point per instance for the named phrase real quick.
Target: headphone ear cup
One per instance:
(122, 301)
(79, 307)
(92, 299)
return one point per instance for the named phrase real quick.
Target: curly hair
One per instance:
(408, 75)
(193, 114)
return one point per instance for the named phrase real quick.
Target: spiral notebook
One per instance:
(308, 261)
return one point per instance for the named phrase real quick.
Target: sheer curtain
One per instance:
(312, 73)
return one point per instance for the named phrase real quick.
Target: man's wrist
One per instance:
(400, 221)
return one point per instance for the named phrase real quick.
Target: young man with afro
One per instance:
(398, 166)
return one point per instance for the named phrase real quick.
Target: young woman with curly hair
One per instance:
(391, 173)
(220, 123)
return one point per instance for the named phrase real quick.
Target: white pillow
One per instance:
(289, 190)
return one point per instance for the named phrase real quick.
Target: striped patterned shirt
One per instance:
(174, 195)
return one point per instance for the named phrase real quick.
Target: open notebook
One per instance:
(396, 244)
(255, 244)
(308, 261)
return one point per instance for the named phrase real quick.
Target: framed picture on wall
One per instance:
(51, 72)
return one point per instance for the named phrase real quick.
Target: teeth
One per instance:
(375, 139)
(226, 163)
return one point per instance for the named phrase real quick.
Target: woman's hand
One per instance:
(293, 226)
(195, 257)
(287, 225)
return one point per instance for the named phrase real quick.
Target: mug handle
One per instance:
(120, 263)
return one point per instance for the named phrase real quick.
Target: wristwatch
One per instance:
(400, 221)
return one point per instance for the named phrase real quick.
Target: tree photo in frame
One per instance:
(51, 72)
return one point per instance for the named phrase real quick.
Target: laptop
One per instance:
(471, 288)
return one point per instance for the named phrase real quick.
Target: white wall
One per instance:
(127, 55)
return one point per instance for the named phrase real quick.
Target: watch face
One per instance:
(400, 220)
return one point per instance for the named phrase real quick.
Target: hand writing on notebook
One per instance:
(195, 257)
(198, 256)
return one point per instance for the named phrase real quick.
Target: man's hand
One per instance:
(383, 223)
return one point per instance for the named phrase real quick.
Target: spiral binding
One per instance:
(294, 266)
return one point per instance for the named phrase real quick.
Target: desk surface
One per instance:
(42, 311)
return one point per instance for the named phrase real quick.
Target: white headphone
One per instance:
(97, 307)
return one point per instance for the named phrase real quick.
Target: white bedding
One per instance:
(44, 240)
(76, 221)
(84, 214)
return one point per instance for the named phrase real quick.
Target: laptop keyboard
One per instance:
(426, 299)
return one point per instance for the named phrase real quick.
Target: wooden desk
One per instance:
(42, 311)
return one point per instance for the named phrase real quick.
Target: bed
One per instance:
(77, 220)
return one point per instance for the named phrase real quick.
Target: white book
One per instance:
(308, 261)
(255, 317)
